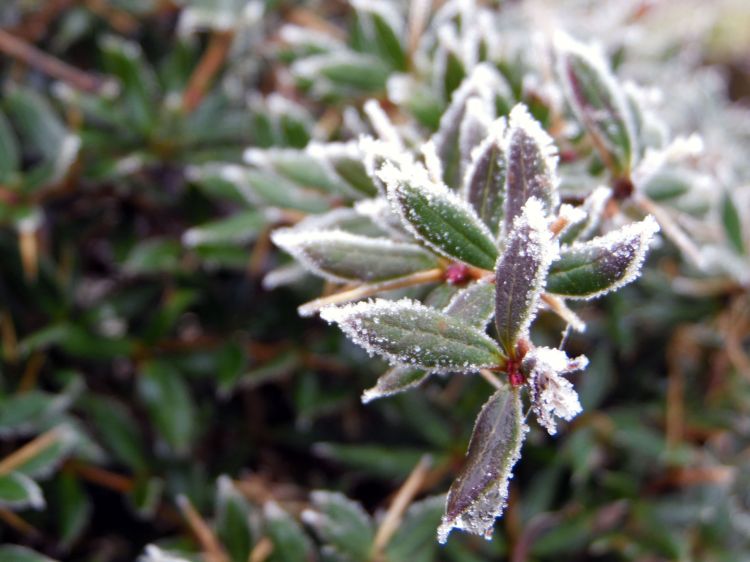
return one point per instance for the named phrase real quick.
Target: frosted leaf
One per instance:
(484, 182)
(379, 211)
(521, 272)
(394, 381)
(308, 39)
(284, 275)
(531, 162)
(482, 83)
(480, 492)
(341, 524)
(341, 256)
(584, 227)
(474, 304)
(598, 101)
(437, 216)
(342, 218)
(407, 332)
(18, 491)
(589, 269)
(382, 124)
(376, 153)
(551, 394)
(474, 129)
(432, 162)
(346, 159)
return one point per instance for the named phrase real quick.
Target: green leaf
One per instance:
(153, 256)
(520, 274)
(379, 460)
(118, 430)
(170, 405)
(146, 496)
(10, 158)
(340, 256)
(603, 264)
(139, 90)
(233, 521)
(732, 222)
(74, 509)
(290, 543)
(28, 413)
(342, 525)
(240, 228)
(395, 380)
(408, 332)
(44, 462)
(474, 304)
(599, 103)
(414, 541)
(480, 492)
(272, 189)
(18, 491)
(438, 217)
(14, 553)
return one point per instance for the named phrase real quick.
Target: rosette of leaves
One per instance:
(496, 243)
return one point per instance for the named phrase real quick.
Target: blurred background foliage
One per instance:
(155, 391)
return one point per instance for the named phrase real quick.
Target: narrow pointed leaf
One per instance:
(10, 158)
(18, 491)
(408, 332)
(342, 525)
(480, 492)
(484, 184)
(340, 256)
(599, 103)
(290, 543)
(474, 128)
(732, 222)
(531, 162)
(395, 380)
(520, 274)
(606, 263)
(15, 553)
(437, 216)
(480, 84)
(233, 520)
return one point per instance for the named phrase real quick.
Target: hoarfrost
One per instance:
(551, 394)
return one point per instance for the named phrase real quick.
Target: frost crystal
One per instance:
(551, 394)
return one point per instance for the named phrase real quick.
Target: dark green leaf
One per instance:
(18, 491)
(290, 543)
(408, 332)
(732, 224)
(233, 521)
(439, 218)
(342, 524)
(593, 268)
(341, 256)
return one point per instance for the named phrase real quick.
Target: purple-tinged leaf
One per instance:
(484, 183)
(531, 162)
(436, 215)
(475, 127)
(590, 269)
(407, 332)
(521, 272)
(599, 103)
(480, 84)
(340, 256)
(551, 394)
(480, 492)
